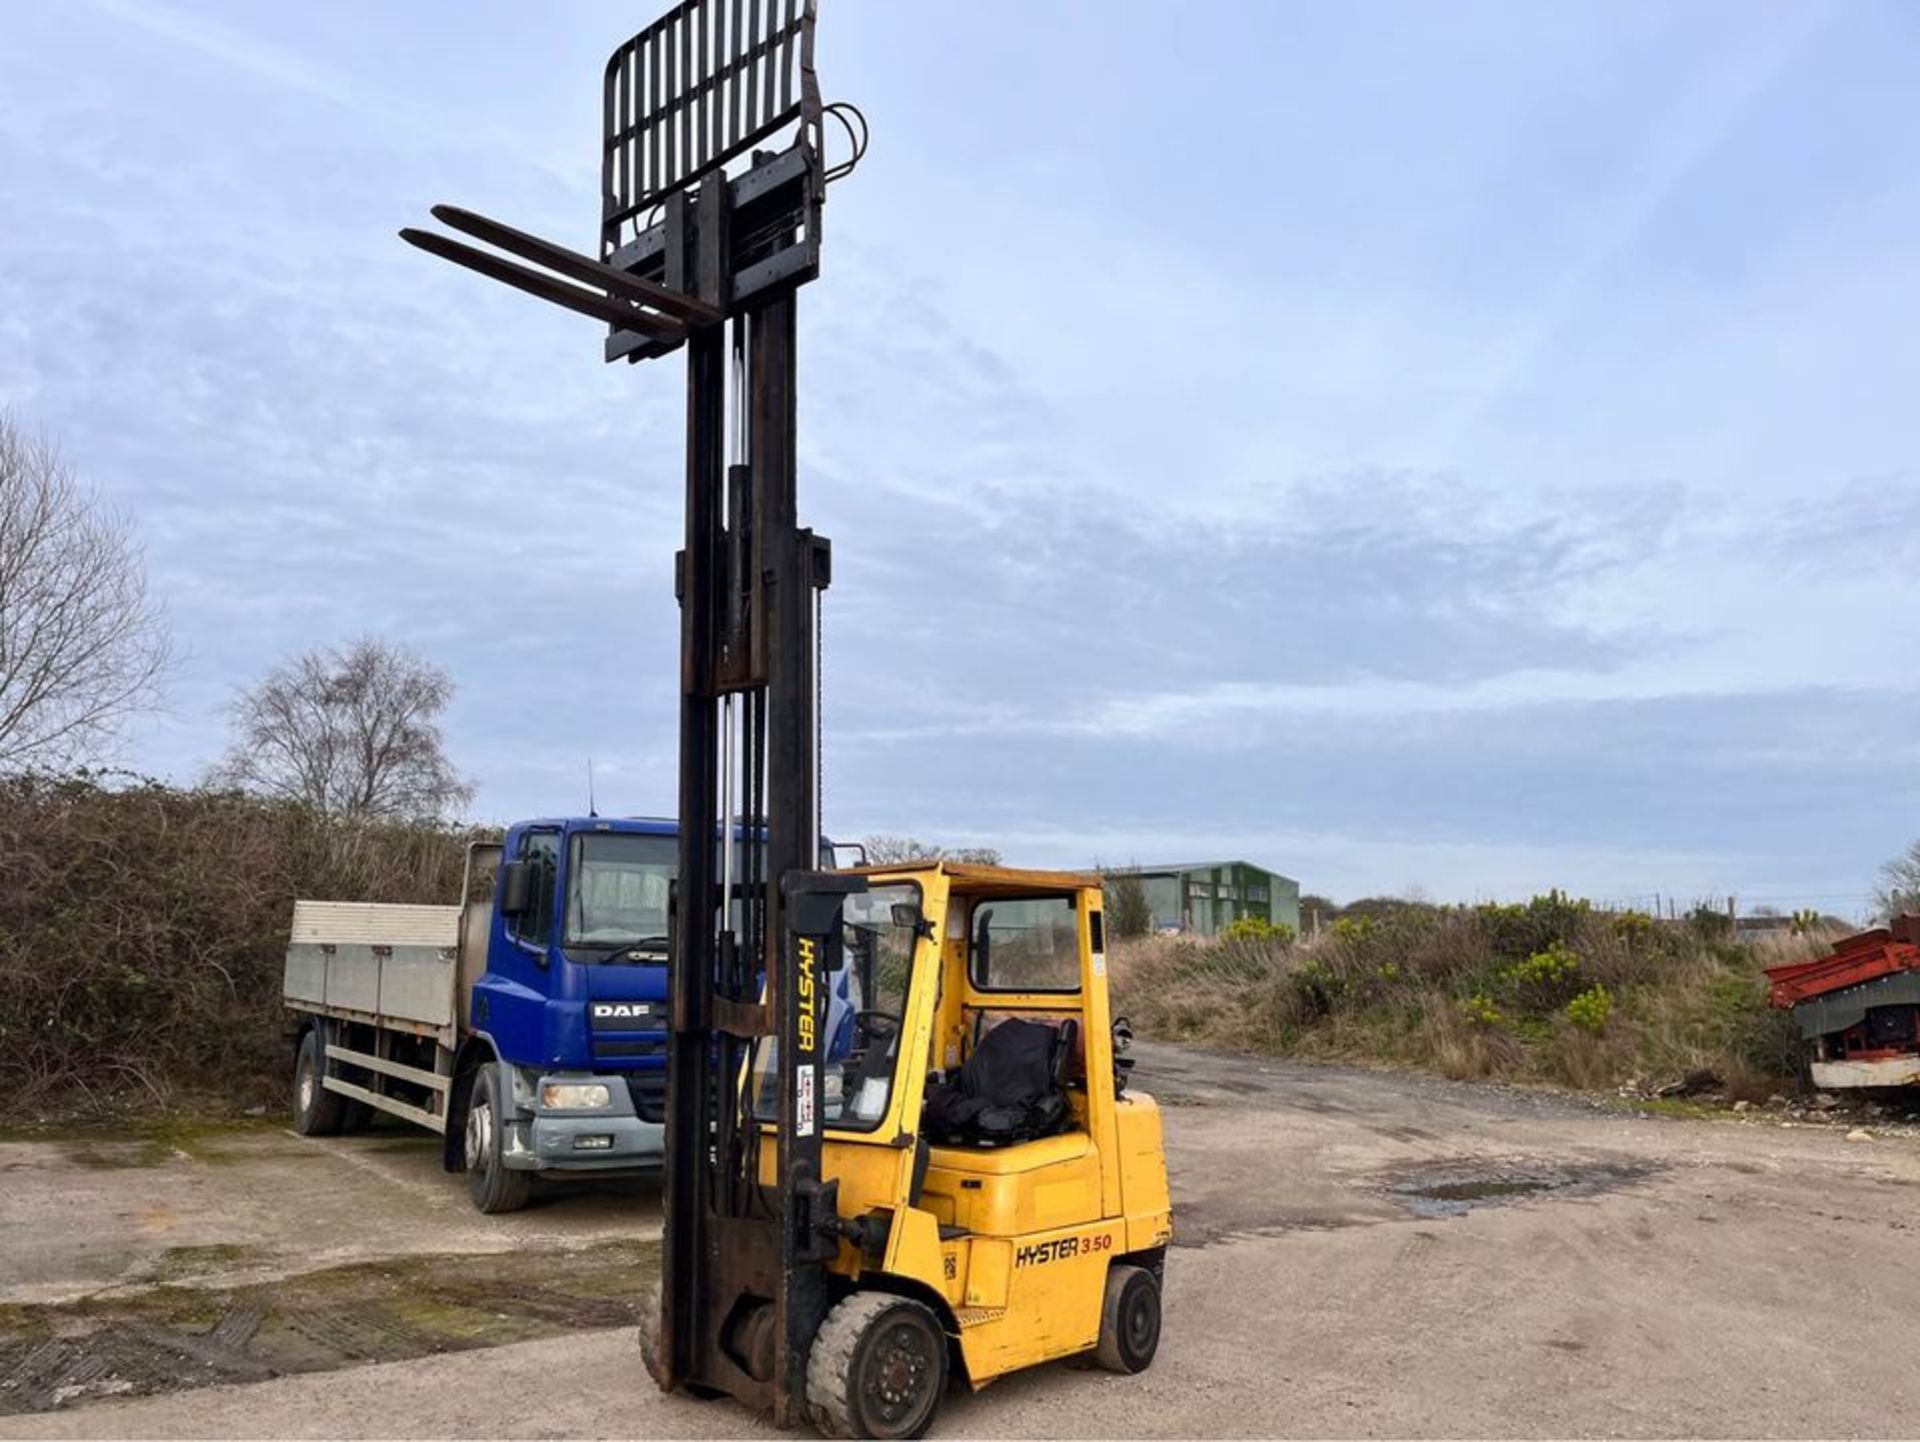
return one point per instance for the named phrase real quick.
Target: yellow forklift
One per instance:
(899, 1144)
(1000, 1198)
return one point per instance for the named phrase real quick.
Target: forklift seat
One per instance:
(1011, 1088)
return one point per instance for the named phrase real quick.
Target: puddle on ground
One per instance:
(1450, 1189)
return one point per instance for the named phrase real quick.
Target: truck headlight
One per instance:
(575, 1096)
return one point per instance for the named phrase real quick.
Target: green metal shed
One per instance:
(1203, 896)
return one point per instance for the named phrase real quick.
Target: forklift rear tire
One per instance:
(878, 1367)
(317, 1112)
(494, 1186)
(1129, 1320)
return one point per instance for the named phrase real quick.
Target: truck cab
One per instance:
(525, 1023)
(570, 1004)
(563, 1066)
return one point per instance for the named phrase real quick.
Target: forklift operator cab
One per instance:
(1009, 1195)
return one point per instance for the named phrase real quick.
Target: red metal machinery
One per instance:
(1859, 1008)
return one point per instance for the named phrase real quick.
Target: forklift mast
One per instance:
(695, 256)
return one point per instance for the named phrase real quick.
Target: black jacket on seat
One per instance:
(1008, 1090)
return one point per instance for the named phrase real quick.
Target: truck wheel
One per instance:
(878, 1368)
(493, 1185)
(1129, 1320)
(317, 1112)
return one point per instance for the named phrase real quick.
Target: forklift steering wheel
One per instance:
(890, 1024)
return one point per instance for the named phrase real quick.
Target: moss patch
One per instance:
(1669, 1107)
(168, 1337)
(183, 1262)
(154, 1141)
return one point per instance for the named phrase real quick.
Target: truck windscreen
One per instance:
(617, 890)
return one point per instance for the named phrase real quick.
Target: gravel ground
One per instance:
(1360, 1254)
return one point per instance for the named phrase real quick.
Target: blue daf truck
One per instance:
(525, 1023)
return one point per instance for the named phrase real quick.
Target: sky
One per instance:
(1456, 449)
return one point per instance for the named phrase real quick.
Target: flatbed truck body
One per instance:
(525, 1024)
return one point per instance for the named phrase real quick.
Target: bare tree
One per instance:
(350, 731)
(1124, 902)
(82, 644)
(1899, 891)
(887, 850)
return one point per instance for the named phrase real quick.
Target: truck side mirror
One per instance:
(516, 888)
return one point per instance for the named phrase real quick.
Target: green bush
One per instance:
(1709, 922)
(1317, 988)
(1544, 979)
(1257, 928)
(1635, 930)
(1551, 967)
(1518, 931)
(1590, 1009)
(1480, 1010)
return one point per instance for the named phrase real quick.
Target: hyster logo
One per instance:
(623, 1011)
(1042, 1252)
(806, 995)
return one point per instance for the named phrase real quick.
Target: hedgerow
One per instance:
(143, 930)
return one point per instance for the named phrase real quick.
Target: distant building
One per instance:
(1203, 896)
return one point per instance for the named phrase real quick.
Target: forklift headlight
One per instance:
(575, 1096)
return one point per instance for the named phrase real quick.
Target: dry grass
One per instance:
(1486, 991)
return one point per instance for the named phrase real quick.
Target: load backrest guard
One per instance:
(699, 87)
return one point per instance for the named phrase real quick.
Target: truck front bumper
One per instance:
(612, 1138)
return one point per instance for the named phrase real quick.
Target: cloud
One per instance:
(276, 66)
(1479, 474)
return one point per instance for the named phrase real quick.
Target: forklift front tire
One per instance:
(649, 1337)
(878, 1368)
(1129, 1320)
(650, 1348)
